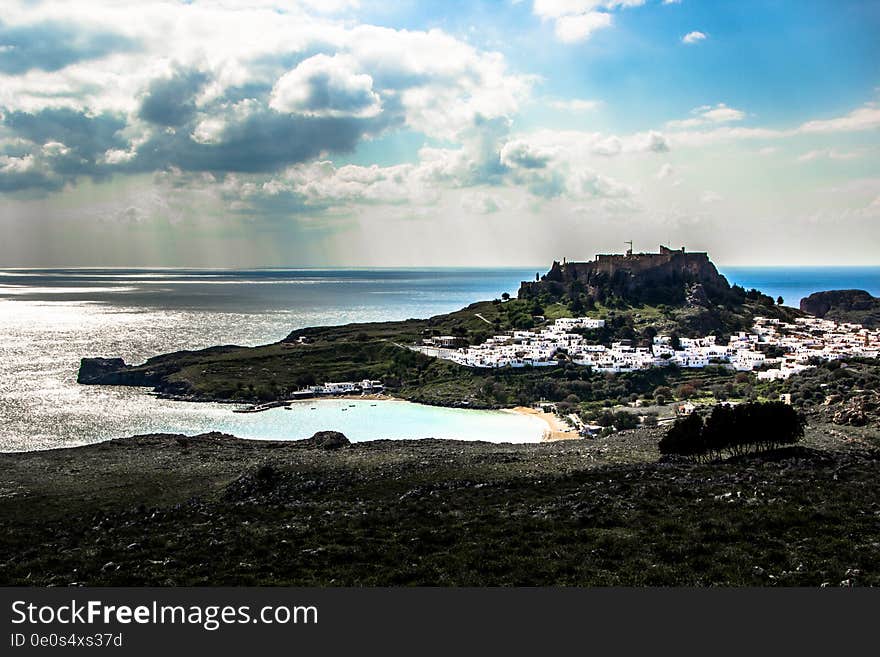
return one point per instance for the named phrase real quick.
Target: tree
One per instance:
(684, 438)
(686, 391)
(779, 301)
(738, 429)
(675, 341)
(505, 296)
(662, 394)
(623, 420)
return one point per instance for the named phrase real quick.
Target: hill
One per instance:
(379, 350)
(670, 277)
(851, 306)
(167, 510)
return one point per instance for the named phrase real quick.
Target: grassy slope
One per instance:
(162, 510)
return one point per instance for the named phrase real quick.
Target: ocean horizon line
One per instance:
(324, 268)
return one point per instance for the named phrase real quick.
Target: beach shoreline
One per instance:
(557, 429)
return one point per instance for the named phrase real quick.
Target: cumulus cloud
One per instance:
(326, 86)
(577, 20)
(708, 115)
(268, 86)
(521, 154)
(579, 27)
(54, 45)
(694, 37)
(171, 101)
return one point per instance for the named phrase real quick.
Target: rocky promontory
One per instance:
(852, 306)
(672, 277)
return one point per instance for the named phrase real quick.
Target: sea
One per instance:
(50, 318)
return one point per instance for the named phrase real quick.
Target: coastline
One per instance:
(557, 429)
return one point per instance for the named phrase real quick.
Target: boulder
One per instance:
(329, 440)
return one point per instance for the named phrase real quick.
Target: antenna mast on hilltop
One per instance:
(629, 251)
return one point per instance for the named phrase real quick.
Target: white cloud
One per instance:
(579, 27)
(480, 203)
(576, 20)
(863, 118)
(558, 8)
(693, 37)
(441, 83)
(574, 105)
(519, 153)
(710, 197)
(708, 115)
(54, 149)
(118, 156)
(326, 86)
(829, 154)
(16, 164)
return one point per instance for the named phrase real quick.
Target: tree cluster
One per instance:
(734, 430)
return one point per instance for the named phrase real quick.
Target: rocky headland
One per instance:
(851, 306)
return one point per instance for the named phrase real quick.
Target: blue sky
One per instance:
(345, 132)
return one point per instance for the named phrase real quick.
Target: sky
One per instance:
(313, 133)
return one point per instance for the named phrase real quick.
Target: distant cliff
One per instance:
(671, 277)
(853, 306)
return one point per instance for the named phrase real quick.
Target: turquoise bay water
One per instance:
(357, 419)
(49, 319)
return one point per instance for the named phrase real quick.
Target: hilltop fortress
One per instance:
(670, 276)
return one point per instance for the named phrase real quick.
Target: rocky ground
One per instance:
(216, 510)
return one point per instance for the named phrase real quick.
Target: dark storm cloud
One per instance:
(51, 46)
(28, 180)
(85, 139)
(323, 96)
(265, 141)
(87, 136)
(171, 101)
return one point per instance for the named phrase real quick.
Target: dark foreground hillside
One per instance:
(212, 510)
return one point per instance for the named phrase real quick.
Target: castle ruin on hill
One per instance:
(670, 276)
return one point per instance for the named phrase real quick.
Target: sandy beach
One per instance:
(557, 429)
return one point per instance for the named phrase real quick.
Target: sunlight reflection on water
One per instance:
(42, 341)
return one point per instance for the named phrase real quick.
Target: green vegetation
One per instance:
(734, 430)
(574, 513)
(380, 351)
